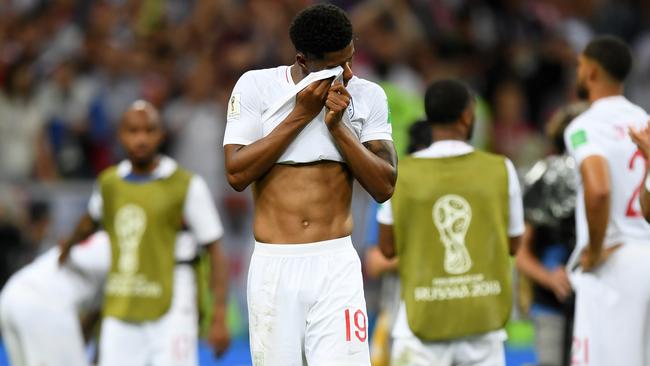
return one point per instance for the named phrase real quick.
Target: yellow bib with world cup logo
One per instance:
(142, 220)
(451, 232)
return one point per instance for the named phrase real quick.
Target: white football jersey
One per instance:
(603, 130)
(258, 92)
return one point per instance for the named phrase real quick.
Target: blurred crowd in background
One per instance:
(69, 69)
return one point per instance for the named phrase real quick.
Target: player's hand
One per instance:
(589, 260)
(559, 283)
(338, 101)
(310, 101)
(219, 337)
(641, 138)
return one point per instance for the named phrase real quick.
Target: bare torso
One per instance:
(303, 203)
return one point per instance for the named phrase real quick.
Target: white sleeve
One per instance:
(385, 213)
(95, 204)
(516, 212)
(377, 127)
(581, 142)
(200, 213)
(244, 118)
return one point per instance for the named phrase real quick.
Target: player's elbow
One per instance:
(514, 244)
(237, 181)
(387, 250)
(383, 192)
(597, 197)
(383, 195)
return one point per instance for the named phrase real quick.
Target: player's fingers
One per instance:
(637, 136)
(339, 98)
(339, 88)
(335, 105)
(323, 86)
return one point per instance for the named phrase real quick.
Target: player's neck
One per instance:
(448, 133)
(145, 168)
(605, 91)
(297, 73)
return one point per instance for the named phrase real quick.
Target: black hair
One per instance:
(446, 100)
(320, 29)
(419, 136)
(612, 54)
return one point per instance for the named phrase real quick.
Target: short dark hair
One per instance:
(446, 100)
(419, 136)
(612, 54)
(320, 29)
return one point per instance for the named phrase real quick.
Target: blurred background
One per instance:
(69, 69)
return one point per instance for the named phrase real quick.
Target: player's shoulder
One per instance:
(364, 87)
(490, 156)
(257, 76)
(108, 174)
(584, 121)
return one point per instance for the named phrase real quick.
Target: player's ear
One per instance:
(593, 71)
(301, 60)
(467, 117)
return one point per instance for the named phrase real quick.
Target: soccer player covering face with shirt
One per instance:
(612, 321)
(301, 148)
(143, 203)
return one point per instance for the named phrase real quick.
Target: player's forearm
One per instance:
(529, 265)
(219, 279)
(246, 164)
(86, 227)
(373, 164)
(597, 206)
(387, 241)
(597, 195)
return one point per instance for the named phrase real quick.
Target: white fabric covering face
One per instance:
(301, 150)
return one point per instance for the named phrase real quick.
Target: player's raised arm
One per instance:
(642, 140)
(373, 163)
(245, 163)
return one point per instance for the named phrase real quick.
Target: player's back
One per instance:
(76, 284)
(603, 130)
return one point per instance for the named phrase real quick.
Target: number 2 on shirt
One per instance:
(631, 210)
(361, 329)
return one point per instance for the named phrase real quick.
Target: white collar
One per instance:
(445, 148)
(610, 99)
(165, 168)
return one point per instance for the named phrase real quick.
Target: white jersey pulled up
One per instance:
(258, 93)
(603, 130)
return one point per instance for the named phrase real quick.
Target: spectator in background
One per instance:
(514, 136)
(64, 101)
(195, 122)
(549, 206)
(24, 151)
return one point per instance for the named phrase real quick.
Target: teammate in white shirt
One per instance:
(302, 149)
(450, 110)
(41, 304)
(612, 324)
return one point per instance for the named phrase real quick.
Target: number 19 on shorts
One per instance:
(355, 324)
